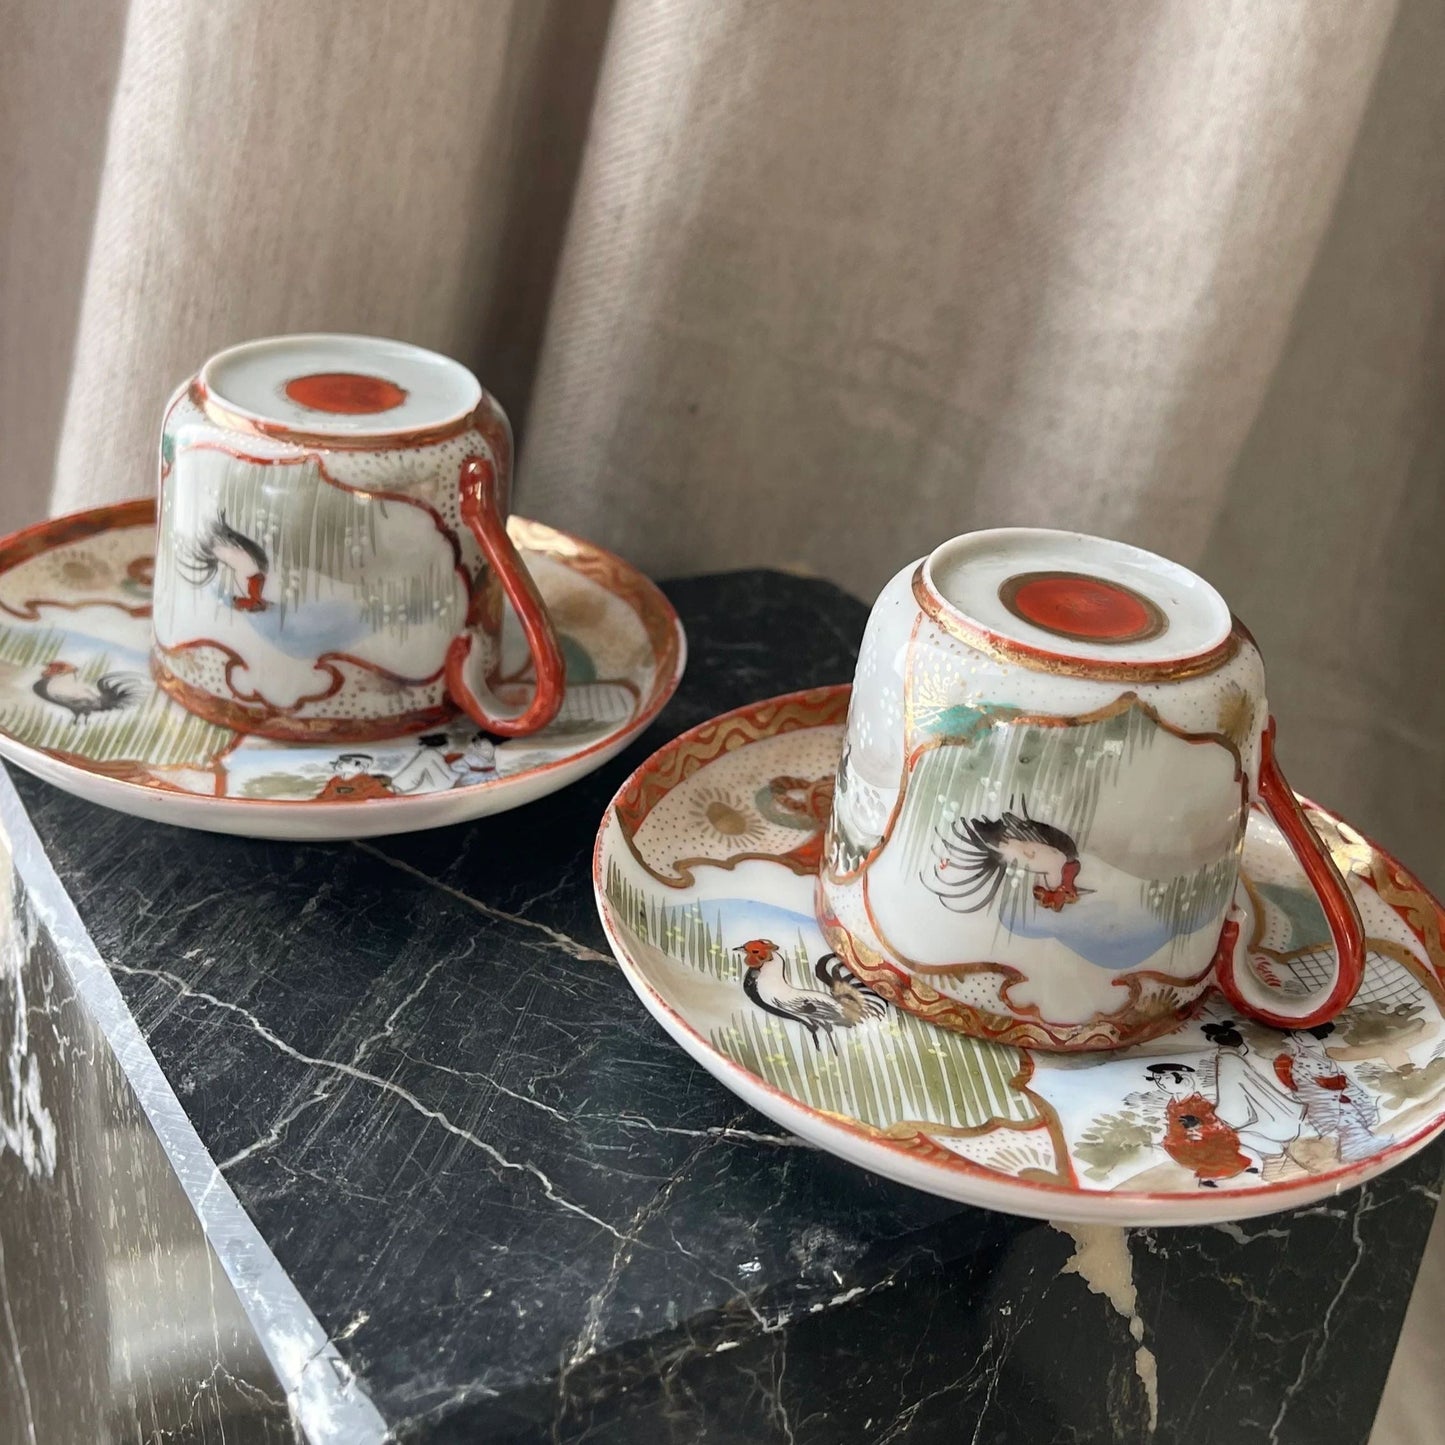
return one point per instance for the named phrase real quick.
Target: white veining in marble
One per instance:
(1102, 1261)
(326, 1402)
(27, 1128)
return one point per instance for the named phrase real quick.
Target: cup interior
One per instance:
(343, 386)
(1077, 596)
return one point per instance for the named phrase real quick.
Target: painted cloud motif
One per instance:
(282, 571)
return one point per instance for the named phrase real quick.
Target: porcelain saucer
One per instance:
(706, 860)
(75, 603)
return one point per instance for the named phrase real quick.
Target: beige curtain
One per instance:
(806, 283)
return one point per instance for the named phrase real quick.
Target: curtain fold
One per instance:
(57, 73)
(396, 169)
(806, 286)
(1327, 537)
(1026, 263)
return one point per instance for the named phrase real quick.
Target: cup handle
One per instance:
(470, 692)
(1236, 976)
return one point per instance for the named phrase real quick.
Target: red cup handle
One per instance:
(1237, 979)
(467, 686)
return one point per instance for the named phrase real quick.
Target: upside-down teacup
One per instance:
(1052, 749)
(332, 551)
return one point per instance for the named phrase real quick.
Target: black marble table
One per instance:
(520, 1213)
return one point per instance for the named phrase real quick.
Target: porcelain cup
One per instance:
(332, 551)
(1052, 749)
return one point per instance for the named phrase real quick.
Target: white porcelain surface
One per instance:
(252, 379)
(968, 570)
(314, 567)
(1146, 781)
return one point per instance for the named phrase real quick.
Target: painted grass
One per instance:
(897, 1068)
(689, 932)
(154, 730)
(884, 1071)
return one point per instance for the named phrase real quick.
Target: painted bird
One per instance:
(980, 851)
(61, 684)
(244, 559)
(844, 1001)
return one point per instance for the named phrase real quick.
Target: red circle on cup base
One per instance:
(1082, 608)
(346, 393)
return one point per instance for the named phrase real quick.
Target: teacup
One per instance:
(1051, 752)
(332, 551)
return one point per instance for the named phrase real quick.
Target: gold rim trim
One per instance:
(1138, 1020)
(676, 763)
(1019, 654)
(618, 577)
(228, 419)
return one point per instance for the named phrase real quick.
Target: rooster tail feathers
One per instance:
(857, 999)
(197, 564)
(119, 689)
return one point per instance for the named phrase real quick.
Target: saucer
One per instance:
(75, 607)
(704, 872)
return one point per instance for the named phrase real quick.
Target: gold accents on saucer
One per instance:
(819, 707)
(204, 767)
(985, 1120)
(618, 577)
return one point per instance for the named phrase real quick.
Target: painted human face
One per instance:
(481, 755)
(1177, 1083)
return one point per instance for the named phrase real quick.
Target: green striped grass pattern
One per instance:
(156, 730)
(884, 1071)
(898, 1068)
(684, 932)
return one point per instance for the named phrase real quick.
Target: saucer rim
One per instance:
(843, 1136)
(32, 541)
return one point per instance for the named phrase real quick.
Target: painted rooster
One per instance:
(61, 685)
(243, 559)
(978, 852)
(843, 1000)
